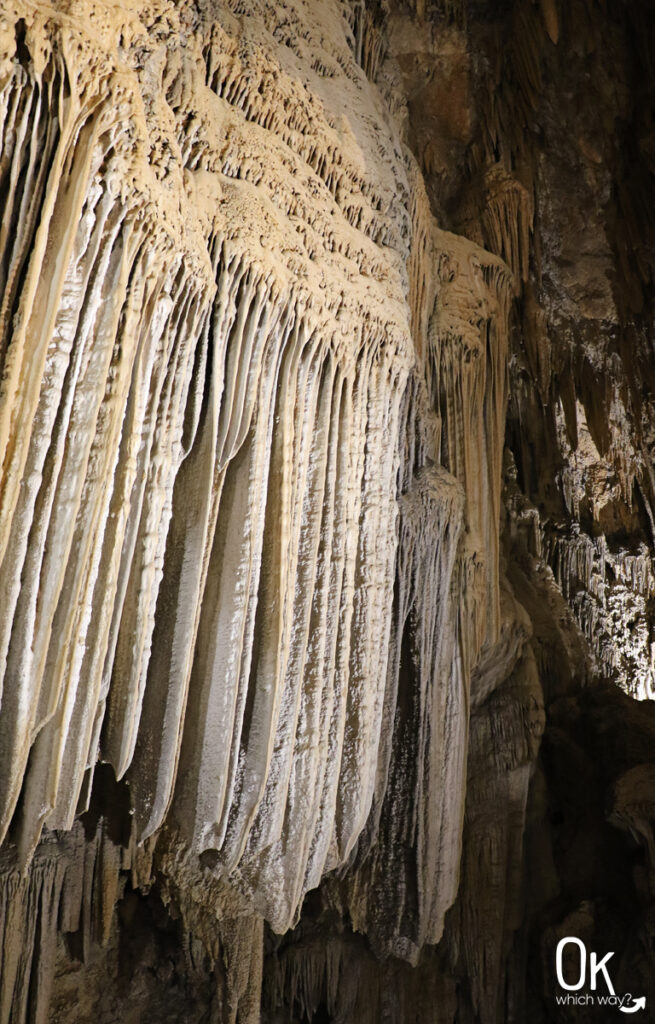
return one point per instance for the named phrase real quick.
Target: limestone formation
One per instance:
(326, 493)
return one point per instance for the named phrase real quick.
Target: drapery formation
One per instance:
(235, 349)
(279, 594)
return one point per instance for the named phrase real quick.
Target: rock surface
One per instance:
(327, 643)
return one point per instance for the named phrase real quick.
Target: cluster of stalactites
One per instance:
(73, 885)
(235, 349)
(466, 368)
(446, 596)
(609, 592)
(198, 524)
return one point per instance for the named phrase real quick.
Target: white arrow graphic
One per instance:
(639, 1004)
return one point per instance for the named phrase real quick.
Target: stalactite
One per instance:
(216, 497)
(609, 592)
(73, 885)
(281, 601)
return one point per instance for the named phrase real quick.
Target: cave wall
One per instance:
(325, 507)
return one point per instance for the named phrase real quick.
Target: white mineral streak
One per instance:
(251, 421)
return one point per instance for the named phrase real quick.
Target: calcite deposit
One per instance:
(327, 632)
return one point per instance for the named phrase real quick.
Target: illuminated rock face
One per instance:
(275, 609)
